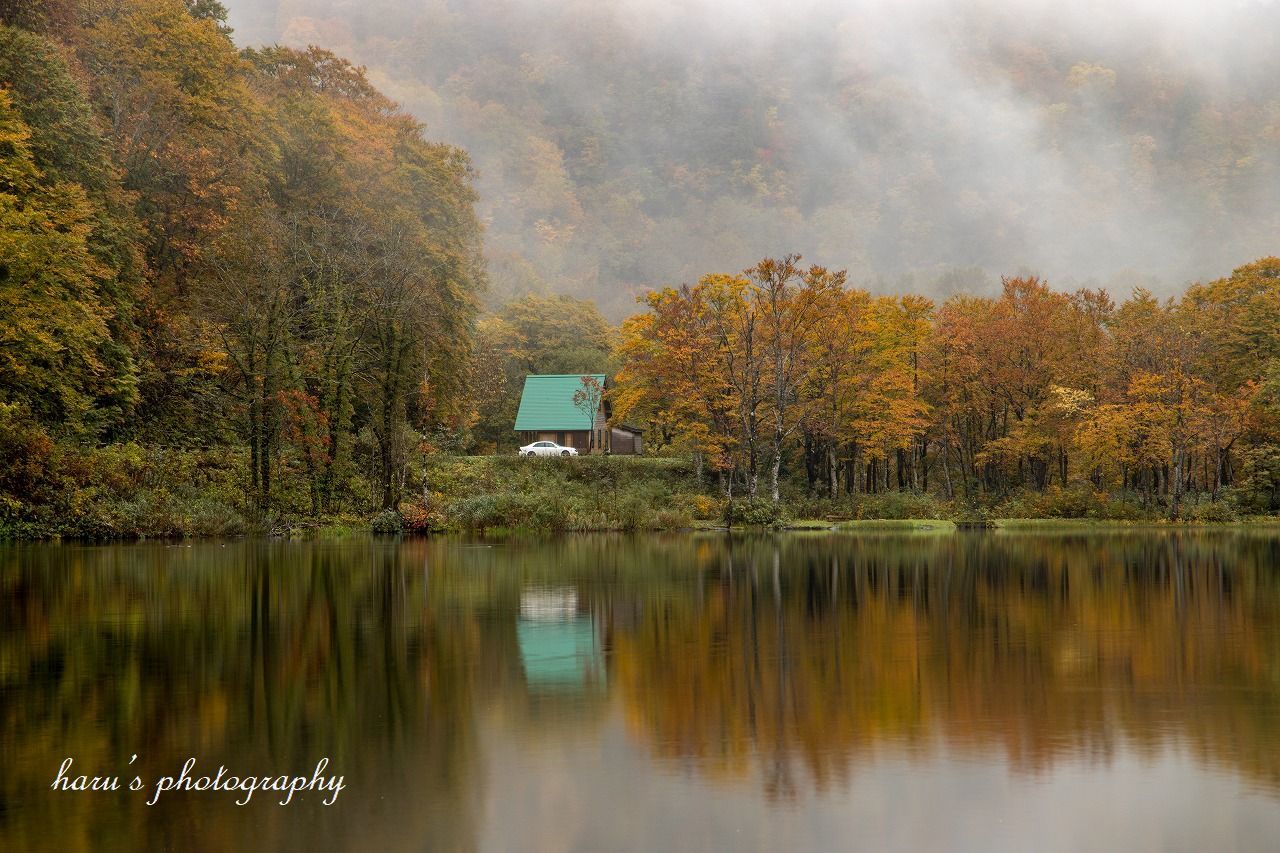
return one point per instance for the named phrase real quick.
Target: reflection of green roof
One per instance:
(547, 403)
(559, 654)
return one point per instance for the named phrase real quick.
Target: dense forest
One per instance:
(1068, 397)
(927, 146)
(205, 248)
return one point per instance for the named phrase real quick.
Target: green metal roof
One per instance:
(547, 403)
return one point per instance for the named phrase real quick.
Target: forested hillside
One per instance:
(213, 259)
(926, 146)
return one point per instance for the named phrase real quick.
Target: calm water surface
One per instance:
(983, 692)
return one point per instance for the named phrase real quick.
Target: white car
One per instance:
(547, 448)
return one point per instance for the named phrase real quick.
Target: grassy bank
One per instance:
(123, 491)
(488, 494)
(130, 491)
(491, 493)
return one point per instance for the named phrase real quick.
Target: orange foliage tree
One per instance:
(978, 399)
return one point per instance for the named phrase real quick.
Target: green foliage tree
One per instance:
(68, 150)
(55, 325)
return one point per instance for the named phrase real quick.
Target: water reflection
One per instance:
(624, 693)
(558, 645)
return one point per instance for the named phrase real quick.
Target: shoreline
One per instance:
(877, 526)
(186, 496)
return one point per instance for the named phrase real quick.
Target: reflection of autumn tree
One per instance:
(263, 657)
(792, 660)
(1046, 649)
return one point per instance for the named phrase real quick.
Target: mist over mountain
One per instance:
(926, 145)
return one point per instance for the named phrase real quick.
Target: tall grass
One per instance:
(557, 495)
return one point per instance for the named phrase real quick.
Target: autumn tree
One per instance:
(997, 362)
(737, 330)
(250, 305)
(890, 411)
(65, 146)
(790, 301)
(674, 378)
(837, 363)
(55, 324)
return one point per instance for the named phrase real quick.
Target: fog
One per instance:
(925, 145)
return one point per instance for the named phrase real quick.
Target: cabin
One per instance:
(548, 413)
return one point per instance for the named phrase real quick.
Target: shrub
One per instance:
(1076, 502)
(27, 459)
(389, 522)
(755, 512)
(1120, 509)
(669, 518)
(1212, 512)
(588, 520)
(211, 517)
(971, 513)
(474, 513)
(629, 512)
(118, 491)
(1053, 502)
(897, 505)
(1058, 504)
(1257, 488)
(805, 506)
(508, 509)
(418, 519)
(705, 508)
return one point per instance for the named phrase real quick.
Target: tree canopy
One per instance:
(976, 398)
(208, 246)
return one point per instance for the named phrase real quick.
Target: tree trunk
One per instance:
(773, 474)
(1217, 473)
(810, 463)
(946, 469)
(264, 443)
(1175, 499)
(831, 470)
(254, 450)
(923, 458)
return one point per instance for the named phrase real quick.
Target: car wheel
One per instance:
(564, 453)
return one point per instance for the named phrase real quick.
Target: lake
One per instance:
(986, 691)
